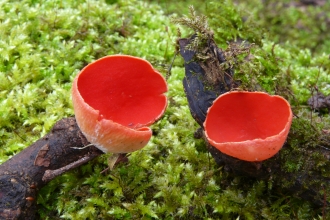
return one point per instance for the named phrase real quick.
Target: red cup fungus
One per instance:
(115, 99)
(250, 126)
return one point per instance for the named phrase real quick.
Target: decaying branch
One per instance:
(24, 174)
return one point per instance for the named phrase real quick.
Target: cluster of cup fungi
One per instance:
(117, 97)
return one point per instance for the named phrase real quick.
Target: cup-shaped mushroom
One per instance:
(115, 99)
(250, 126)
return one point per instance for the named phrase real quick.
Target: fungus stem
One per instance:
(116, 158)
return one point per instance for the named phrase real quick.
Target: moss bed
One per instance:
(44, 44)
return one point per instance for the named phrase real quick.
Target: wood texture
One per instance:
(24, 174)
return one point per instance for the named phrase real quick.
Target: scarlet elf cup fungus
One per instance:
(115, 99)
(250, 126)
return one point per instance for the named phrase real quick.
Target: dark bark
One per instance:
(319, 102)
(199, 93)
(308, 183)
(24, 174)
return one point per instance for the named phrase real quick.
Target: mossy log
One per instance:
(23, 175)
(310, 182)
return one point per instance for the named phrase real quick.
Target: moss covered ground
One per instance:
(44, 44)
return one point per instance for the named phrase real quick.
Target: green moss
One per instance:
(45, 44)
(285, 21)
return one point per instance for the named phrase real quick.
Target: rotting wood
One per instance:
(23, 175)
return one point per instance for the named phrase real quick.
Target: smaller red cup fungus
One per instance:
(250, 126)
(115, 99)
